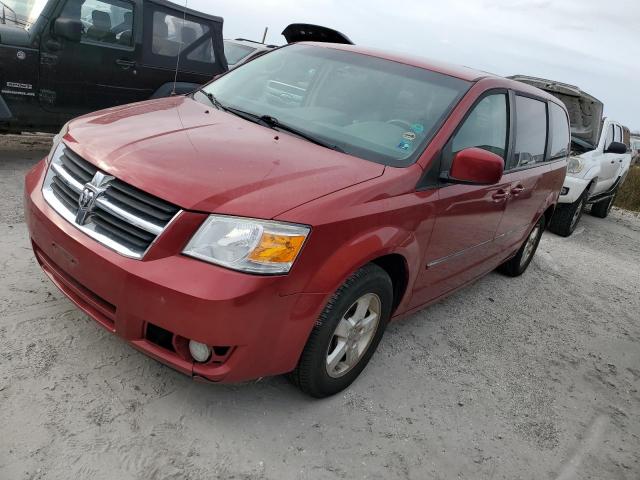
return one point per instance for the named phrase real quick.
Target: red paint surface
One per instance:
(217, 163)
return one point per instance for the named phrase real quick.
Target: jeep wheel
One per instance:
(519, 264)
(603, 208)
(566, 217)
(346, 335)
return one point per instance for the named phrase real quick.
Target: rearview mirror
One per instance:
(475, 166)
(616, 147)
(68, 28)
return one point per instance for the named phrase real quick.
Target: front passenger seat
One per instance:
(100, 31)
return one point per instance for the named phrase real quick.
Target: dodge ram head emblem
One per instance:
(90, 194)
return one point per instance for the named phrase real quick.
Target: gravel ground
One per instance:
(531, 378)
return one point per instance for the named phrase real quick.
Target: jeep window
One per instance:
(373, 108)
(531, 131)
(236, 52)
(103, 21)
(485, 127)
(561, 137)
(21, 12)
(172, 34)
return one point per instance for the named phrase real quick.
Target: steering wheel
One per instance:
(400, 123)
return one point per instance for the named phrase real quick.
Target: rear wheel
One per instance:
(567, 216)
(603, 208)
(346, 335)
(519, 264)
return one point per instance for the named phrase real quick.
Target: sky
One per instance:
(594, 44)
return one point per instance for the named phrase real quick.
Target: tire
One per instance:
(520, 263)
(567, 217)
(323, 370)
(603, 208)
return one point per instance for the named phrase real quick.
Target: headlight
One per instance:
(56, 141)
(575, 165)
(248, 245)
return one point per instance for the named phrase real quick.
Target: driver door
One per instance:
(462, 245)
(609, 163)
(96, 72)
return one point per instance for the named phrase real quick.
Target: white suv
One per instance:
(600, 156)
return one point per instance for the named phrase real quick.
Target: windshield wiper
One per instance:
(270, 122)
(214, 101)
(275, 124)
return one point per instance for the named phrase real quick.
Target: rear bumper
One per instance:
(265, 331)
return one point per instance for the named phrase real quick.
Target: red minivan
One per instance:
(276, 220)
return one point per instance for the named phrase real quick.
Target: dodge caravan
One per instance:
(277, 220)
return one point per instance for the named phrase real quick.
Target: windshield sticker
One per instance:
(404, 146)
(409, 136)
(418, 128)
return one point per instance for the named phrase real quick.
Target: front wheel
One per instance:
(567, 216)
(346, 335)
(519, 264)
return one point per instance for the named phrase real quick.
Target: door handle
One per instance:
(500, 195)
(517, 190)
(125, 64)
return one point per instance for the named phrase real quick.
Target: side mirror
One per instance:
(475, 166)
(616, 147)
(68, 28)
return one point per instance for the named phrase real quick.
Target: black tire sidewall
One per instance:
(513, 267)
(313, 376)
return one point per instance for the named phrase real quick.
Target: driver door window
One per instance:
(610, 135)
(486, 127)
(104, 22)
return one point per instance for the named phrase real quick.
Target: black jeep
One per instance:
(63, 58)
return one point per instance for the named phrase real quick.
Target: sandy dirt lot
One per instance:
(532, 378)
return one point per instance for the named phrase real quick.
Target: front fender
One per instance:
(358, 251)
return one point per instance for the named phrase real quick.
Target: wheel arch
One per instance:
(393, 249)
(397, 268)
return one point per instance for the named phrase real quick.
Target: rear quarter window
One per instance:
(560, 132)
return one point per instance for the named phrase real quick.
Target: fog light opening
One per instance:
(200, 352)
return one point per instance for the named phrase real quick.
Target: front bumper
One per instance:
(574, 187)
(263, 330)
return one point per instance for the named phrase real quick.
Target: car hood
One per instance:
(585, 111)
(202, 159)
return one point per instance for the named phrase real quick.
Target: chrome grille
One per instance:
(122, 217)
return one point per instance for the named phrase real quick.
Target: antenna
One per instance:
(184, 21)
(264, 37)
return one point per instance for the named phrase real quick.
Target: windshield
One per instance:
(236, 52)
(21, 12)
(369, 107)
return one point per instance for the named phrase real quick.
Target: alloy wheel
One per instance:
(353, 335)
(530, 246)
(577, 214)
